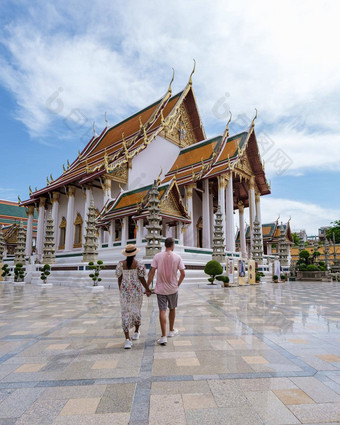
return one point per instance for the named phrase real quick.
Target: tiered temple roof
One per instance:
(11, 214)
(270, 232)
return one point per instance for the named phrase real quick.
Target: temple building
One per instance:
(10, 216)
(166, 143)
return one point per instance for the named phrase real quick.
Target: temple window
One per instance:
(62, 233)
(78, 231)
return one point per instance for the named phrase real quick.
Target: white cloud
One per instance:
(116, 57)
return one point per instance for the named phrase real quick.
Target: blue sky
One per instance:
(64, 64)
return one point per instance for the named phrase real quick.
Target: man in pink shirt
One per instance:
(167, 264)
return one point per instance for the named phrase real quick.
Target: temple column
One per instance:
(55, 212)
(252, 208)
(206, 215)
(230, 228)
(40, 231)
(139, 232)
(29, 231)
(125, 231)
(243, 246)
(221, 200)
(211, 210)
(180, 233)
(70, 219)
(88, 198)
(112, 233)
(107, 190)
(189, 234)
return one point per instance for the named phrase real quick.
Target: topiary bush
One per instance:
(45, 272)
(97, 268)
(213, 268)
(275, 277)
(312, 268)
(224, 279)
(5, 271)
(283, 277)
(19, 273)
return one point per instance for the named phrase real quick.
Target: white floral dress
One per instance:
(131, 294)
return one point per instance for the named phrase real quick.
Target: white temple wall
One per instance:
(62, 212)
(146, 166)
(98, 198)
(79, 205)
(197, 213)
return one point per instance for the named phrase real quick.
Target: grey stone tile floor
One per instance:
(266, 354)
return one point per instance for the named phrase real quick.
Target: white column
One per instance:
(29, 231)
(107, 190)
(252, 209)
(206, 215)
(221, 200)
(189, 234)
(211, 209)
(55, 213)
(258, 207)
(40, 231)
(112, 233)
(125, 231)
(88, 199)
(70, 219)
(139, 233)
(230, 233)
(180, 233)
(243, 247)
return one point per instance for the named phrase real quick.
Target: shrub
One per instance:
(213, 268)
(322, 264)
(304, 254)
(45, 272)
(258, 276)
(312, 268)
(302, 267)
(275, 277)
(5, 271)
(283, 277)
(96, 268)
(19, 273)
(224, 279)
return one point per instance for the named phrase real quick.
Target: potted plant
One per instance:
(224, 280)
(283, 277)
(5, 272)
(45, 272)
(276, 278)
(96, 269)
(258, 277)
(19, 273)
(213, 268)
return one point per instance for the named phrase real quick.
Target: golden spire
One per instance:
(79, 154)
(64, 169)
(68, 164)
(107, 123)
(51, 178)
(47, 181)
(253, 122)
(227, 126)
(30, 190)
(140, 122)
(19, 199)
(192, 72)
(172, 79)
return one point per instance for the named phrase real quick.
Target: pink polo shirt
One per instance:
(167, 265)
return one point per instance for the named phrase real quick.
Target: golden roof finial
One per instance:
(30, 190)
(140, 122)
(94, 130)
(47, 181)
(124, 146)
(106, 161)
(36, 189)
(145, 135)
(51, 178)
(159, 177)
(227, 126)
(68, 164)
(87, 167)
(19, 199)
(192, 72)
(107, 123)
(64, 169)
(253, 122)
(172, 79)
(79, 154)
(162, 118)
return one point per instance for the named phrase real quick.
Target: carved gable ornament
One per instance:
(179, 129)
(169, 205)
(244, 166)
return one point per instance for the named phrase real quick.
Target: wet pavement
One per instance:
(266, 354)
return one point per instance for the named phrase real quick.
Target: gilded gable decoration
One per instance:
(178, 128)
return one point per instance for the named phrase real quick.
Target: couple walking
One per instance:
(131, 280)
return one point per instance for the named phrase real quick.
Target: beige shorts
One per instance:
(167, 300)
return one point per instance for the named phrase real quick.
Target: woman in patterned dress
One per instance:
(131, 279)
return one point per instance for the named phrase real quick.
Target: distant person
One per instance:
(167, 263)
(131, 280)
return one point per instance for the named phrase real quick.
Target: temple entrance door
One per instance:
(199, 227)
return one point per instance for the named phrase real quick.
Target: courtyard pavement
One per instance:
(266, 354)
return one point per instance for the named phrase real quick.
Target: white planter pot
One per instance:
(95, 288)
(45, 285)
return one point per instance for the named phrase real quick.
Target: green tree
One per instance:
(296, 239)
(334, 230)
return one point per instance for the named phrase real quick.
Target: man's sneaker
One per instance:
(136, 335)
(128, 344)
(162, 341)
(173, 333)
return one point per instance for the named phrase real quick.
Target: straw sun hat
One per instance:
(130, 250)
